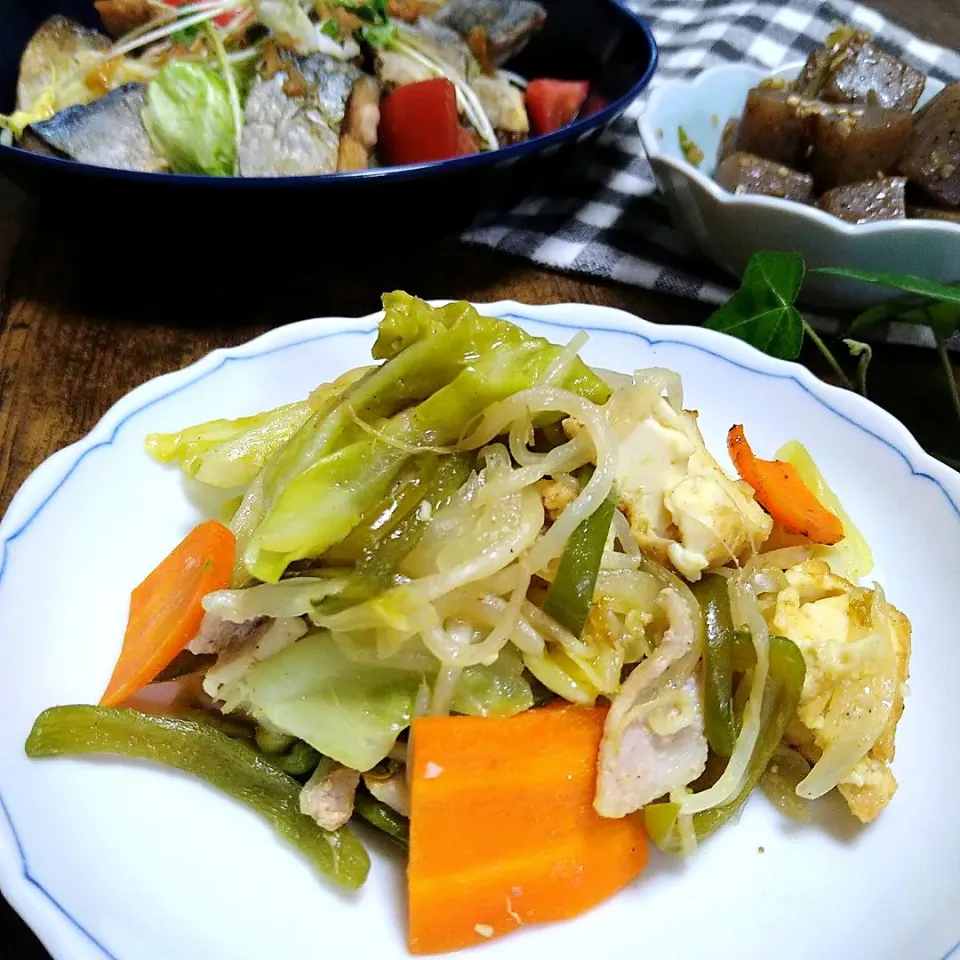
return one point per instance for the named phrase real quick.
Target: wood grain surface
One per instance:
(74, 337)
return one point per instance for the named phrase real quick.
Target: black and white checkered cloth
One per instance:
(608, 221)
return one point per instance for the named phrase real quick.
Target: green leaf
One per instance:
(331, 29)
(372, 12)
(777, 271)
(878, 313)
(188, 115)
(379, 35)
(941, 316)
(761, 312)
(186, 36)
(898, 281)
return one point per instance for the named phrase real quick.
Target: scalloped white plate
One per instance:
(729, 227)
(111, 859)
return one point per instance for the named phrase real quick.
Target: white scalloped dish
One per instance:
(130, 861)
(729, 227)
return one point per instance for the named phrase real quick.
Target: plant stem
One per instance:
(830, 358)
(948, 370)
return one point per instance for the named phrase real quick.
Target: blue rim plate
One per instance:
(124, 860)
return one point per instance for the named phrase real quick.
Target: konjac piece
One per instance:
(866, 202)
(863, 73)
(860, 144)
(747, 173)
(777, 125)
(932, 158)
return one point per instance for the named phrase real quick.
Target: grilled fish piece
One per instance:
(432, 39)
(105, 133)
(503, 104)
(509, 24)
(294, 117)
(52, 50)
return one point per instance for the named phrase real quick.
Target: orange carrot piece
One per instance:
(165, 610)
(502, 828)
(780, 490)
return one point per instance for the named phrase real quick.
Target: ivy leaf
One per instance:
(762, 311)
(943, 317)
(898, 281)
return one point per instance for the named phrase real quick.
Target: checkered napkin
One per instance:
(608, 222)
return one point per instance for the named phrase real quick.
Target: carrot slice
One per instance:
(502, 829)
(166, 609)
(780, 490)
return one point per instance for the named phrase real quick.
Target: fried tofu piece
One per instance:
(822, 614)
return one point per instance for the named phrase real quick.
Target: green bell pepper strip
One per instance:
(233, 766)
(571, 593)
(719, 722)
(388, 547)
(382, 816)
(383, 540)
(780, 698)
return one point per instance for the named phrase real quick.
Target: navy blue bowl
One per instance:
(598, 40)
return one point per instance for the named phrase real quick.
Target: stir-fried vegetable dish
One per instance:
(481, 578)
(273, 88)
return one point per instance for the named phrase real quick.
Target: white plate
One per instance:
(107, 858)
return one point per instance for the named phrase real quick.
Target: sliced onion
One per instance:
(551, 630)
(487, 610)
(621, 527)
(670, 579)
(444, 689)
(558, 368)
(666, 382)
(781, 559)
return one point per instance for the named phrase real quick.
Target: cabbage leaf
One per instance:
(189, 117)
(351, 706)
(851, 558)
(452, 363)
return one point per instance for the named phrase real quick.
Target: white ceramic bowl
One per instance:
(728, 228)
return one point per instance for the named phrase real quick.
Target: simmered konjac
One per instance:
(481, 578)
(273, 88)
(845, 135)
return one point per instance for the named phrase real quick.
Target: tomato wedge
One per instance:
(419, 122)
(552, 104)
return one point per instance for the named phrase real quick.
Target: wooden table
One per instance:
(67, 353)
